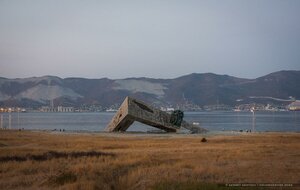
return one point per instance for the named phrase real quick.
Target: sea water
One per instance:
(213, 121)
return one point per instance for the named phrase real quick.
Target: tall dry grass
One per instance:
(141, 162)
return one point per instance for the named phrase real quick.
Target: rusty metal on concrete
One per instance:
(134, 110)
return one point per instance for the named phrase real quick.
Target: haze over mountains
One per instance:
(196, 89)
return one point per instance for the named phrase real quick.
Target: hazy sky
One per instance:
(153, 38)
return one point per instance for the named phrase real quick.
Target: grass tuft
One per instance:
(2, 144)
(63, 178)
(53, 155)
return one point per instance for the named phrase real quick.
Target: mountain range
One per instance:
(194, 89)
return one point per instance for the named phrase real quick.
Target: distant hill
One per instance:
(197, 89)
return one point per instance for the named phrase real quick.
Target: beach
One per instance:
(61, 160)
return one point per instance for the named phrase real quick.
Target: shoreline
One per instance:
(208, 133)
(163, 135)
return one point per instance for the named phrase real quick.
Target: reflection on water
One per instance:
(258, 121)
(253, 121)
(1, 121)
(9, 121)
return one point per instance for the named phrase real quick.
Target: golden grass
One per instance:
(126, 161)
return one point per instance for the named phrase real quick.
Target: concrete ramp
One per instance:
(134, 110)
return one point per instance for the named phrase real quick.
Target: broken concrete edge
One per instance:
(132, 110)
(118, 117)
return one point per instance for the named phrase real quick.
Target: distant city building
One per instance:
(295, 106)
(167, 109)
(217, 107)
(56, 109)
(13, 109)
(65, 109)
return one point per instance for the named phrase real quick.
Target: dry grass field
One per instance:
(45, 160)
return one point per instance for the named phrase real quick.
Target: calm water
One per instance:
(214, 121)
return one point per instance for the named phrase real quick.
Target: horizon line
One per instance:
(140, 77)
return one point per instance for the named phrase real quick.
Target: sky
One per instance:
(157, 38)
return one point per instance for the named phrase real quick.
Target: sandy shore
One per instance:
(59, 160)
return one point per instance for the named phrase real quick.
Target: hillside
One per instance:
(196, 89)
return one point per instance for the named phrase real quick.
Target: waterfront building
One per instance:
(295, 106)
(56, 109)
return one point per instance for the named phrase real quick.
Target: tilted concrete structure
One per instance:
(133, 110)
